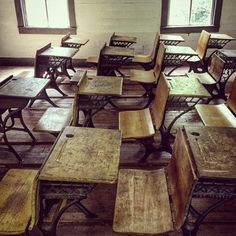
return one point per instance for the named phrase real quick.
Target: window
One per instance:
(46, 16)
(187, 16)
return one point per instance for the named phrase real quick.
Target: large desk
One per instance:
(80, 159)
(213, 152)
(15, 94)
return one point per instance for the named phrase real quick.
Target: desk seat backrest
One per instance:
(40, 64)
(216, 67)
(100, 60)
(155, 47)
(159, 60)
(158, 107)
(181, 179)
(64, 38)
(231, 101)
(202, 44)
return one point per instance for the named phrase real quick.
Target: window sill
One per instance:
(188, 29)
(30, 30)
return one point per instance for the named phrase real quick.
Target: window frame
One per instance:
(38, 30)
(190, 29)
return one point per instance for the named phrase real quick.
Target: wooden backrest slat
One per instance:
(231, 102)
(155, 46)
(181, 179)
(100, 58)
(159, 60)
(67, 36)
(216, 68)
(38, 70)
(159, 104)
(202, 44)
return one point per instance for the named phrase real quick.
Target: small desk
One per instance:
(74, 42)
(169, 39)
(112, 58)
(177, 56)
(80, 159)
(213, 152)
(229, 56)
(95, 92)
(218, 41)
(184, 94)
(58, 57)
(122, 40)
(15, 94)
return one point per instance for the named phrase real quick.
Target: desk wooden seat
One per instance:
(153, 202)
(54, 120)
(92, 59)
(18, 191)
(142, 124)
(220, 115)
(198, 61)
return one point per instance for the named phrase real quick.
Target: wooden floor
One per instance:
(101, 200)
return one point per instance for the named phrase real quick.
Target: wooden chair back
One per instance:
(110, 42)
(202, 44)
(159, 60)
(40, 67)
(216, 67)
(181, 179)
(231, 101)
(155, 46)
(158, 106)
(100, 61)
(67, 36)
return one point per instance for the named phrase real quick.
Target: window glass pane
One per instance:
(58, 13)
(35, 13)
(179, 12)
(201, 13)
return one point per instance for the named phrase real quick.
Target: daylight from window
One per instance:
(190, 12)
(47, 13)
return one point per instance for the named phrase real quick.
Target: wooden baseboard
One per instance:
(13, 61)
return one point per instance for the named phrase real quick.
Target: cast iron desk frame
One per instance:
(214, 161)
(80, 159)
(15, 94)
(218, 41)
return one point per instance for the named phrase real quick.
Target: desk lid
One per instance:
(171, 37)
(228, 53)
(81, 41)
(124, 38)
(118, 51)
(186, 87)
(84, 155)
(63, 52)
(180, 50)
(214, 151)
(101, 85)
(221, 36)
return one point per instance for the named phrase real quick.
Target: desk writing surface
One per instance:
(221, 37)
(180, 50)
(101, 85)
(187, 87)
(228, 53)
(170, 37)
(118, 51)
(23, 87)
(86, 155)
(124, 38)
(214, 151)
(63, 52)
(80, 41)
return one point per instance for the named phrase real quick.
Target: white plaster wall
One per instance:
(97, 20)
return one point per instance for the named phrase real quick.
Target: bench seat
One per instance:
(216, 115)
(142, 202)
(54, 120)
(18, 188)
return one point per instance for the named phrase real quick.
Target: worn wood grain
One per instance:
(216, 115)
(171, 37)
(123, 38)
(180, 50)
(213, 151)
(16, 200)
(84, 155)
(221, 36)
(118, 51)
(101, 85)
(186, 87)
(62, 52)
(136, 124)
(142, 203)
(54, 120)
(202, 44)
(142, 76)
(181, 179)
